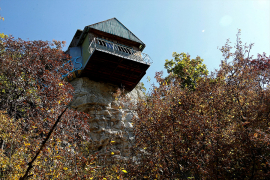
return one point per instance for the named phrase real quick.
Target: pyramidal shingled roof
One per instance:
(115, 27)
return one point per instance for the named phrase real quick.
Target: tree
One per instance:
(189, 70)
(218, 131)
(39, 135)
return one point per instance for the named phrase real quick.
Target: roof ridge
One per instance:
(127, 34)
(127, 29)
(131, 33)
(102, 21)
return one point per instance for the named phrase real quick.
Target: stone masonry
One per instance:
(110, 122)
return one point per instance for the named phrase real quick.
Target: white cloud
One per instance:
(202, 30)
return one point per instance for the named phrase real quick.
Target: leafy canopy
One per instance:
(39, 136)
(218, 131)
(188, 70)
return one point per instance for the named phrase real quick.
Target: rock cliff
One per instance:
(110, 122)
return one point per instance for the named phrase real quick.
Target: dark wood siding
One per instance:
(109, 68)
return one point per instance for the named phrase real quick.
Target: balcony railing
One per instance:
(118, 50)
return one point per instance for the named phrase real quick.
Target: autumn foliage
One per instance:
(220, 130)
(39, 136)
(191, 125)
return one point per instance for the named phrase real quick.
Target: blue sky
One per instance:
(196, 27)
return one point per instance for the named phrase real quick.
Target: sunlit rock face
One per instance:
(110, 122)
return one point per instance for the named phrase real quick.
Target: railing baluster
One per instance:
(119, 50)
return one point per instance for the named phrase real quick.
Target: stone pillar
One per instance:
(110, 122)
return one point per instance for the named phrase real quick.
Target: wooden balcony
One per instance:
(115, 64)
(119, 50)
(111, 63)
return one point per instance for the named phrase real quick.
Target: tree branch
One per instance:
(30, 164)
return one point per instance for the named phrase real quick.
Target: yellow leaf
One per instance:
(27, 144)
(124, 171)
(112, 153)
(65, 168)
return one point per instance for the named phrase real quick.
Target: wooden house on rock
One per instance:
(108, 52)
